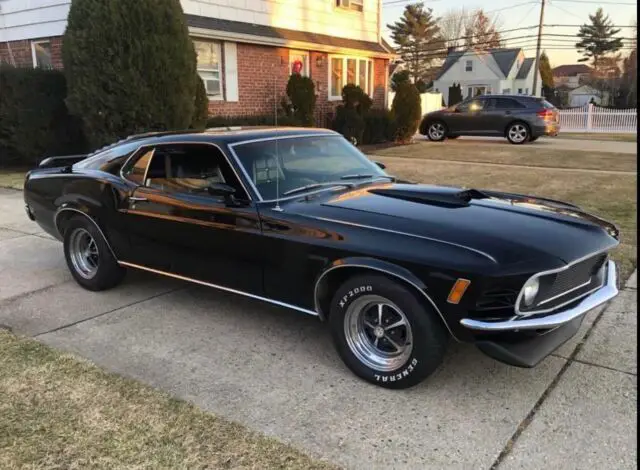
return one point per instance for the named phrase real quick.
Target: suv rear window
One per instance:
(546, 104)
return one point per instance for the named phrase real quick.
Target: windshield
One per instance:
(303, 164)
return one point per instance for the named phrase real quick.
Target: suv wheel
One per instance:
(384, 333)
(518, 133)
(436, 131)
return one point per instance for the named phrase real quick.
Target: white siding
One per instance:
(27, 19)
(314, 16)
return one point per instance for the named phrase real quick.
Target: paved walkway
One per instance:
(276, 371)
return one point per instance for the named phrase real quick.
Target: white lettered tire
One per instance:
(385, 333)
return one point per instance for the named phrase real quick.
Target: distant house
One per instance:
(586, 94)
(503, 71)
(570, 75)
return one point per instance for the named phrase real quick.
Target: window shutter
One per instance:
(231, 71)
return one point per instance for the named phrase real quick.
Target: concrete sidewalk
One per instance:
(276, 371)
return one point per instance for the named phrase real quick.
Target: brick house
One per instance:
(246, 48)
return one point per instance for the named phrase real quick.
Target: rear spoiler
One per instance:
(58, 162)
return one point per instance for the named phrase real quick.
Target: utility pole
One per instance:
(537, 61)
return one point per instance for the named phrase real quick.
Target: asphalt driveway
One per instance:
(276, 371)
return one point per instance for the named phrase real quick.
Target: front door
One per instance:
(176, 226)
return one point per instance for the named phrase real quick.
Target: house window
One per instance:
(519, 91)
(354, 5)
(209, 69)
(469, 66)
(477, 90)
(41, 54)
(506, 91)
(299, 62)
(526, 91)
(349, 70)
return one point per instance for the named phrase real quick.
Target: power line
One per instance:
(598, 2)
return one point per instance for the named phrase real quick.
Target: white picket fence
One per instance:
(591, 118)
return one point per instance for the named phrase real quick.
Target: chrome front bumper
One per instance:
(607, 292)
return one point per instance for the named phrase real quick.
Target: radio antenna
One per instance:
(275, 120)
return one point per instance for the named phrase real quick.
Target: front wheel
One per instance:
(384, 333)
(88, 256)
(518, 133)
(436, 131)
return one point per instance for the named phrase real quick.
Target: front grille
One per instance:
(559, 288)
(576, 275)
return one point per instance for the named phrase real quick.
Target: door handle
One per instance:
(137, 199)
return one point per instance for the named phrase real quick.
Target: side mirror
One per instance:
(381, 165)
(221, 189)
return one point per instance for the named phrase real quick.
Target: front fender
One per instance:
(390, 269)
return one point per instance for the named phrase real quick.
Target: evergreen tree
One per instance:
(598, 38)
(545, 71)
(406, 111)
(130, 67)
(482, 33)
(419, 41)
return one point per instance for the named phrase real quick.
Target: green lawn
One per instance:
(58, 411)
(12, 178)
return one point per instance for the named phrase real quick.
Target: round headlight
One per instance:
(530, 291)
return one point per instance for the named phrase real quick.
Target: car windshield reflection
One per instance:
(286, 166)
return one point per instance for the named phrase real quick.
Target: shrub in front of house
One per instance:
(300, 103)
(129, 67)
(379, 127)
(349, 119)
(406, 111)
(201, 106)
(34, 120)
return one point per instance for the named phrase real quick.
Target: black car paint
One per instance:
(282, 251)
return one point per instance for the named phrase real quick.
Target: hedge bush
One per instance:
(301, 102)
(350, 115)
(406, 111)
(129, 67)
(34, 120)
(201, 106)
(379, 127)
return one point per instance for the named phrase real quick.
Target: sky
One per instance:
(527, 13)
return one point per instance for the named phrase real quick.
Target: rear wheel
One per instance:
(384, 333)
(88, 256)
(518, 133)
(436, 131)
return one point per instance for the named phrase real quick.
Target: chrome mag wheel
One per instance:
(518, 133)
(83, 253)
(436, 131)
(378, 333)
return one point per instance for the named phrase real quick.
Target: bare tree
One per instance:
(453, 25)
(461, 27)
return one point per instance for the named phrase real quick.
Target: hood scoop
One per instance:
(434, 195)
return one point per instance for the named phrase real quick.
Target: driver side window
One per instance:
(471, 106)
(184, 168)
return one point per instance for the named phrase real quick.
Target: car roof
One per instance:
(517, 97)
(226, 135)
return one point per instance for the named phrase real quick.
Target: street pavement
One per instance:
(276, 371)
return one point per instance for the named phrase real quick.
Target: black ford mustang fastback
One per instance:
(302, 219)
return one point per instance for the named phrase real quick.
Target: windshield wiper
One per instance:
(316, 185)
(357, 176)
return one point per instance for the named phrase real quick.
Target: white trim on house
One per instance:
(279, 42)
(34, 54)
(359, 60)
(230, 78)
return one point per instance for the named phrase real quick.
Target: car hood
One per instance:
(509, 227)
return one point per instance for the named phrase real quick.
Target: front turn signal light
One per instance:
(458, 290)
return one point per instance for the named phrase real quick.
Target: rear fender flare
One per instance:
(398, 272)
(68, 209)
